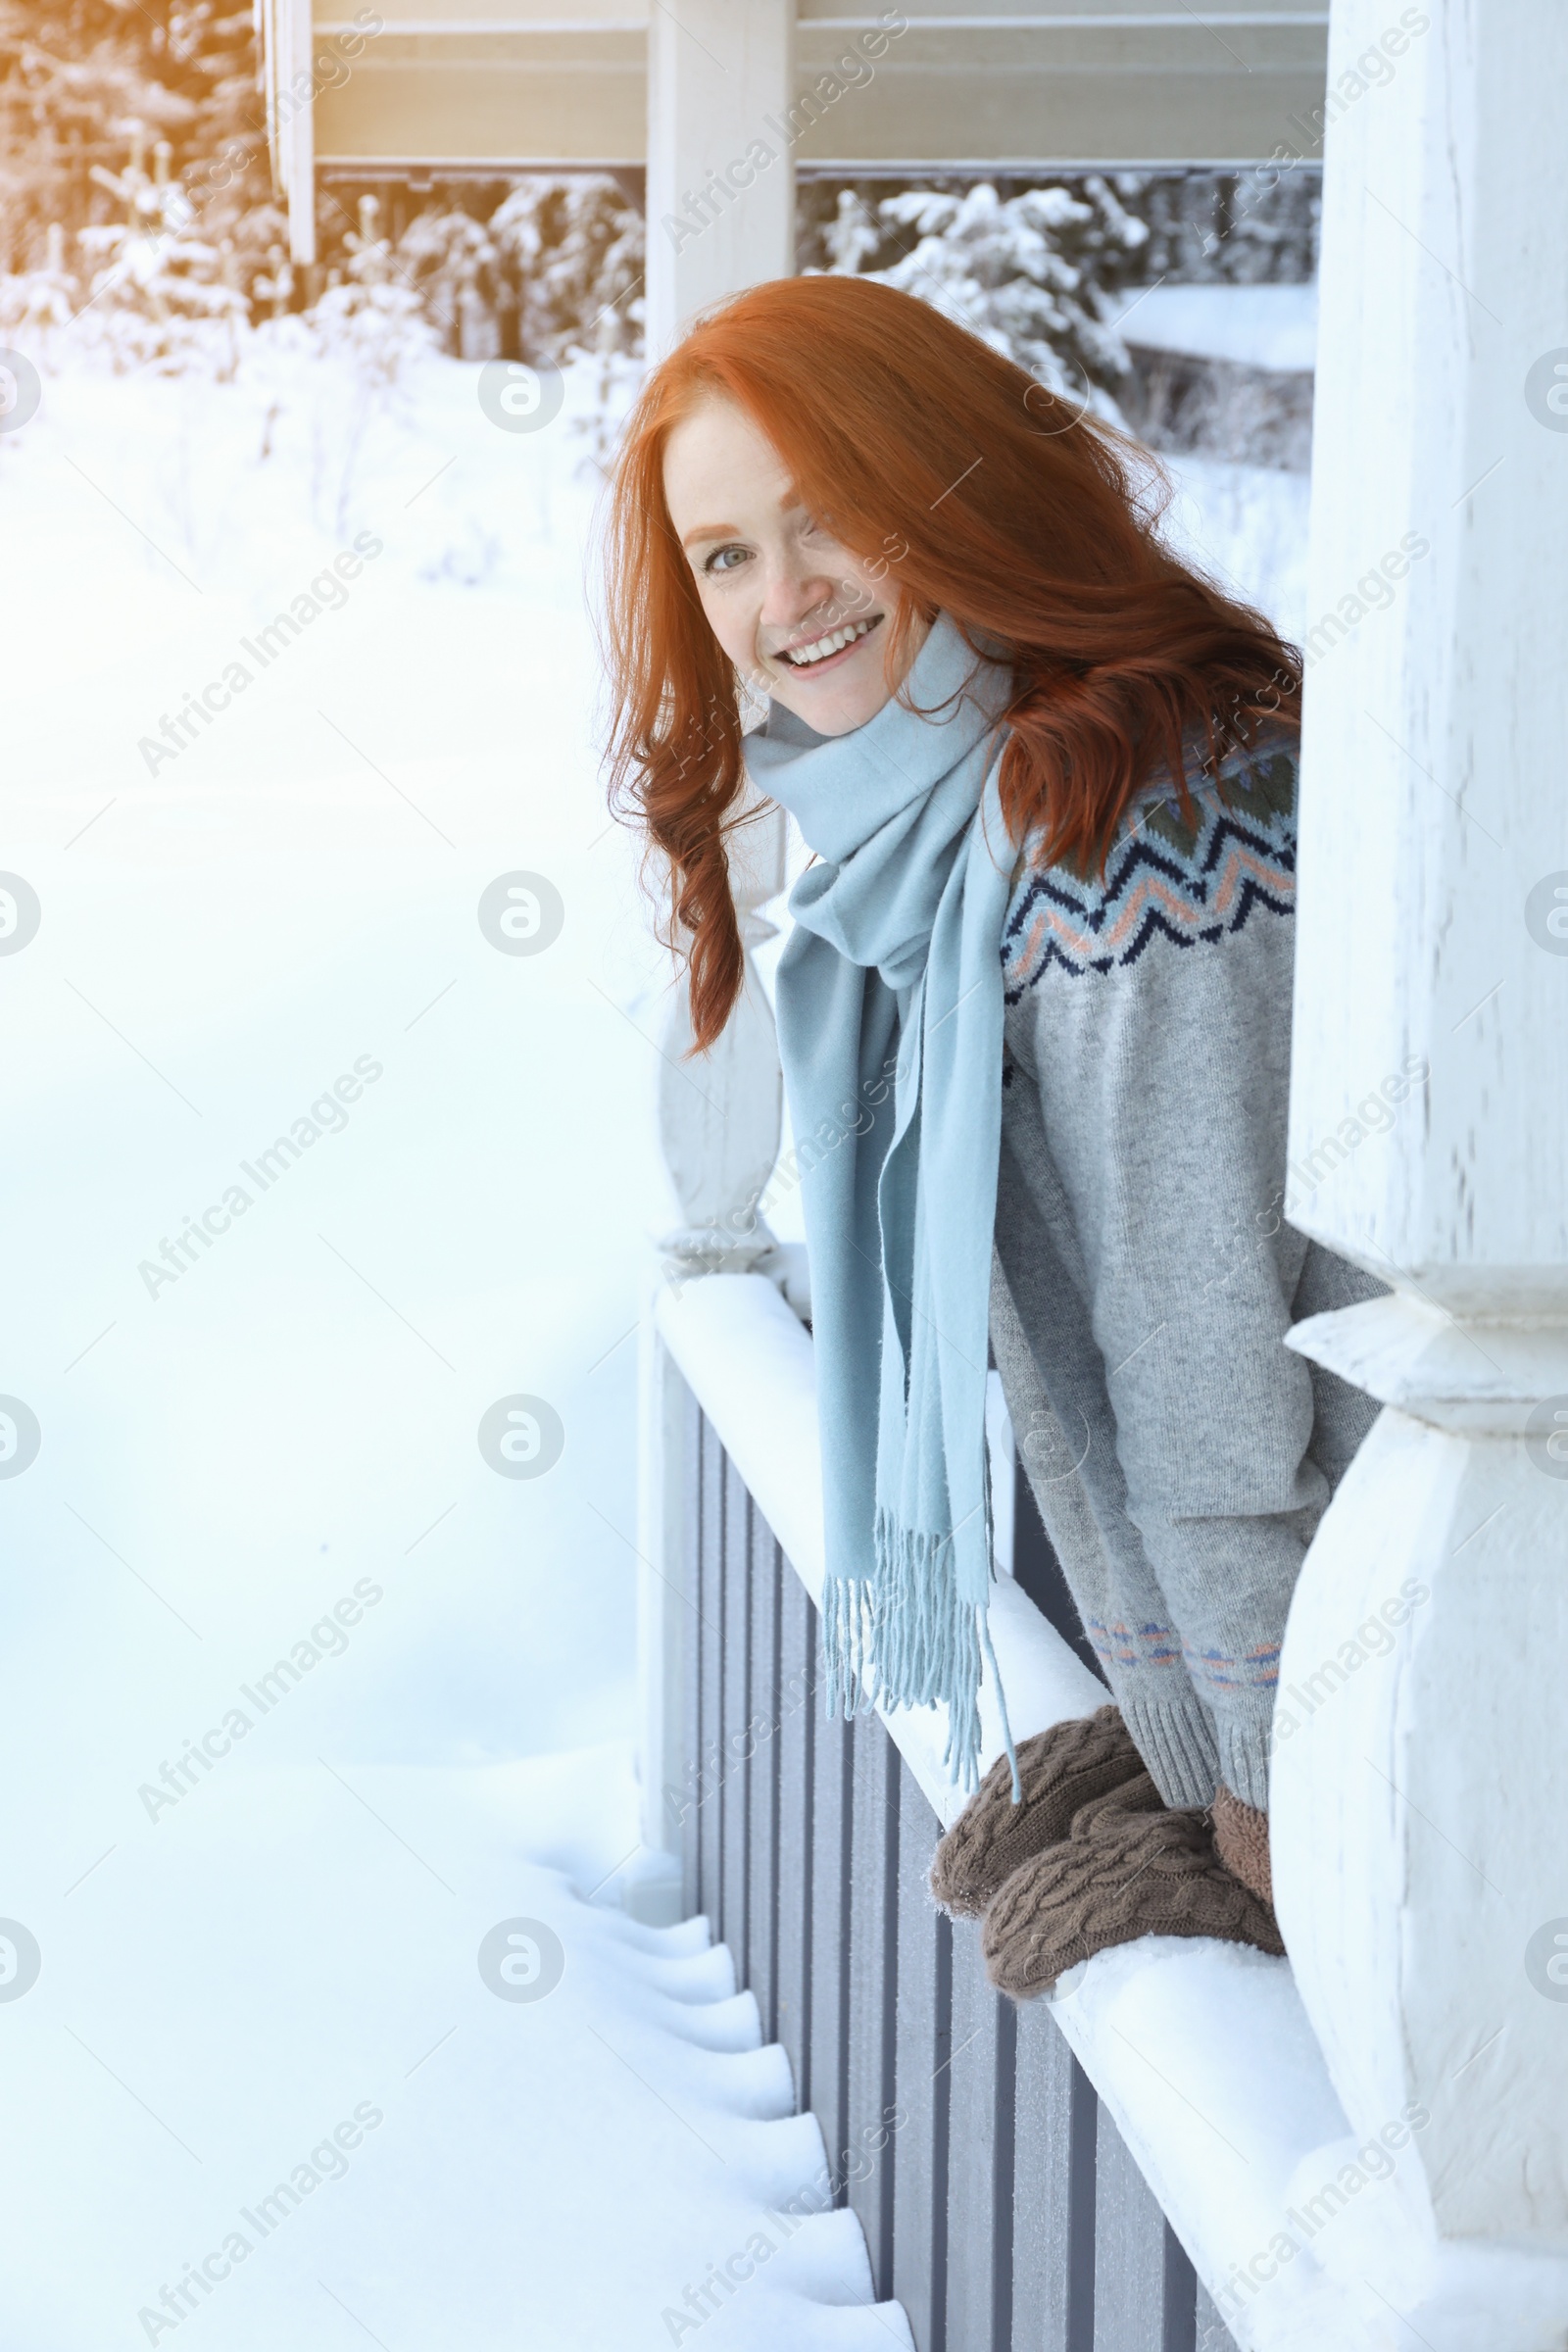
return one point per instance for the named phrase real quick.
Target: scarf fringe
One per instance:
(902, 1637)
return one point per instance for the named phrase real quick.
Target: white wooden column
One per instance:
(720, 217)
(289, 89)
(720, 171)
(1421, 1862)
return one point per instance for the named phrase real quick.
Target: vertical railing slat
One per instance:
(1211, 2333)
(1181, 2297)
(711, 1745)
(735, 1767)
(767, 1572)
(832, 1855)
(922, 2077)
(1054, 2192)
(873, 1991)
(980, 2167)
(798, 1706)
(683, 1807)
(1132, 2309)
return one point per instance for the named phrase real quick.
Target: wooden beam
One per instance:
(720, 168)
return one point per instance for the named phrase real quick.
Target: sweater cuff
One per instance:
(1176, 1741)
(1244, 1751)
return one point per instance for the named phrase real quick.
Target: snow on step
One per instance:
(300, 1950)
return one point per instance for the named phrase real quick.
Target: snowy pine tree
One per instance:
(159, 290)
(371, 323)
(572, 249)
(449, 260)
(77, 75)
(1030, 275)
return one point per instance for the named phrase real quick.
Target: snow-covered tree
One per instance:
(77, 75)
(371, 321)
(1241, 228)
(159, 290)
(40, 300)
(572, 250)
(451, 262)
(364, 335)
(1032, 275)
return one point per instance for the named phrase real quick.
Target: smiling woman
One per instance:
(1049, 775)
(797, 614)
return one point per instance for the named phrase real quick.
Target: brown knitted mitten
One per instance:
(1121, 1873)
(1059, 1772)
(1241, 1840)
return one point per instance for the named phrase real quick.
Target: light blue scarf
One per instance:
(894, 972)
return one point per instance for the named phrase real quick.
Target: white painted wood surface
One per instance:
(720, 1113)
(720, 181)
(1417, 1792)
(285, 43)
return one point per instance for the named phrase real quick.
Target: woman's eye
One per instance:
(724, 559)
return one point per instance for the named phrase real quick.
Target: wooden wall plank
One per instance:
(922, 2076)
(1113, 92)
(1131, 2309)
(873, 1991)
(711, 1588)
(980, 2171)
(832, 1858)
(799, 1700)
(766, 1569)
(735, 1767)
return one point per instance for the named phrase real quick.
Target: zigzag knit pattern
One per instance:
(1167, 877)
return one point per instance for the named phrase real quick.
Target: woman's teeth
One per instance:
(821, 646)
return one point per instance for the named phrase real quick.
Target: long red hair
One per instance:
(1046, 547)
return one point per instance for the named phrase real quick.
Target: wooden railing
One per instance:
(1000, 2203)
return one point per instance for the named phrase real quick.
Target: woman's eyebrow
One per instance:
(791, 503)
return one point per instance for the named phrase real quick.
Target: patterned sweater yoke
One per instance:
(1146, 1276)
(1188, 880)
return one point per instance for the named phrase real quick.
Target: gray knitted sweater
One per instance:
(1144, 1275)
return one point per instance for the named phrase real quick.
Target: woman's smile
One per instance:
(831, 648)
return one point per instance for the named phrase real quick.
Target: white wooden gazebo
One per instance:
(1420, 1860)
(686, 87)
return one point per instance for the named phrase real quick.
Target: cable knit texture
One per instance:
(1128, 1868)
(1059, 1771)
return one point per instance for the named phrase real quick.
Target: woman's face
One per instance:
(801, 618)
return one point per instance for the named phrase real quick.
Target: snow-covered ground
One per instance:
(260, 1904)
(1261, 327)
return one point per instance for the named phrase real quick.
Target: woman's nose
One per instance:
(792, 596)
